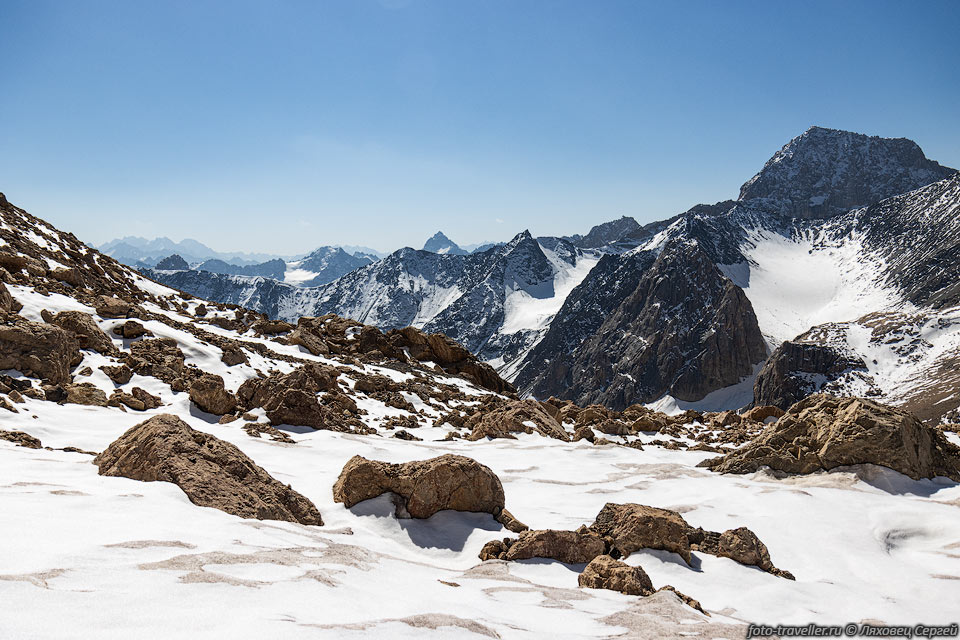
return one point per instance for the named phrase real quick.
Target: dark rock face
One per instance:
(824, 172)
(425, 486)
(37, 349)
(212, 473)
(440, 243)
(172, 263)
(822, 432)
(270, 269)
(607, 233)
(792, 371)
(685, 329)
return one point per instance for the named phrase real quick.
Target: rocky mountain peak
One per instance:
(440, 243)
(172, 263)
(824, 172)
(608, 232)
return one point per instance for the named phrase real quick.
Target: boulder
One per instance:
(160, 358)
(233, 355)
(208, 393)
(211, 472)
(292, 398)
(605, 572)
(88, 334)
(635, 526)
(271, 327)
(425, 486)
(120, 374)
(37, 349)
(85, 393)
(110, 307)
(149, 400)
(726, 419)
(822, 432)
(516, 416)
(130, 330)
(571, 547)
(741, 545)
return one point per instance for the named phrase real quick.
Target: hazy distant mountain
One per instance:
(439, 243)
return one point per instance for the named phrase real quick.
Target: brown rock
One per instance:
(8, 304)
(512, 417)
(634, 526)
(584, 433)
(571, 547)
(157, 357)
(403, 434)
(271, 327)
(85, 393)
(741, 545)
(604, 572)
(726, 419)
(110, 307)
(21, 438)
(130, 330)
(426, 486)
(208, 394)
(233, 355)
(88, 334)
(37, 349)
(149, 400)
(120, 374)
(760, 414)
(824, 432)
(212, 473)
(292, 398)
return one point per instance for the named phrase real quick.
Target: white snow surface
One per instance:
(524, 312)
(92, 556)
(800, 282)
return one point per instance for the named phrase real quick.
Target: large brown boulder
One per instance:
(635, 526)
(516, 416)
(605, 572)
(110, 307)
(822, 432)
(425, 486)
(86, 394)
(88, 334)
(37, 349)
(212, 473)
(572, 547)
(208, 393)
(740, 544)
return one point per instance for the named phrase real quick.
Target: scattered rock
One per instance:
(233, 355)
(741, 545)
(571, 547)
(85, 393)
(822, 432)
(110, 307)
(212, 473)
(403, 434)
(760, 414)
(8, 304)
(634, 526)
(149, 400)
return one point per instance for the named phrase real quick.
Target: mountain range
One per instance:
(835, 269)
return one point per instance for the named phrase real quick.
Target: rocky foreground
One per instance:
(173, 467)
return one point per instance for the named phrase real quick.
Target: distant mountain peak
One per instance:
(440, 243)
(824, 172)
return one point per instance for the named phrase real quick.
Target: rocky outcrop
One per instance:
(208, 393)
(789, 373)
(424, 486)
(822, 432)
(85, 329)
(112, 307)
(294, 398)
(212, 473)
(763, 413)
(37, 349)
(516, 416)
(85, 393)
(130, 330)
(119, 374)
(162, 359)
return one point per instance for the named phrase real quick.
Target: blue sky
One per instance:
(281, 126)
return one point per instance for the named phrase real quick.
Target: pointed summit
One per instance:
(824, 172)
(439, 243)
